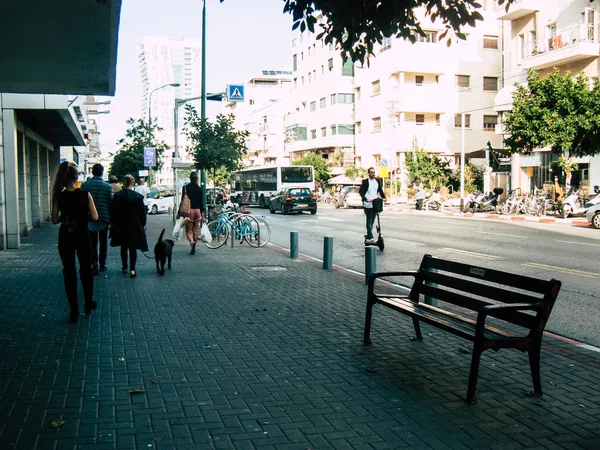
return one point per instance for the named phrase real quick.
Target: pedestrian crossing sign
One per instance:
(235, 92)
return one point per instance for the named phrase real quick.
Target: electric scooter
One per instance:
(379, 242)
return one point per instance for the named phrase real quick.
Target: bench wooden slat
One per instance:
(494, 276)
(479, 289)
(518, 318)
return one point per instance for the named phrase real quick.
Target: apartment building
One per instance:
(321, 114)
(263, 115)
(164, 60)
(543, 35)
(413, 96)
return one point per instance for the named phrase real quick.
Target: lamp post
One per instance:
(149, 131)
(203, 94)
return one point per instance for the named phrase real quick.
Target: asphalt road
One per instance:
(561, 251)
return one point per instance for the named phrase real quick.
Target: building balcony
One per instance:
(518, 9)
(573, 44)
(420, 99)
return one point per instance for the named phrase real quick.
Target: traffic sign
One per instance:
(235, 92)
(150, 156)
(383, 162)
(383, 169)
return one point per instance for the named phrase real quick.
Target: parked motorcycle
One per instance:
(433, 202)
(574, 204)
(484, 202)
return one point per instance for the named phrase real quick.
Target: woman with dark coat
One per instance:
(128, 221)
(72, 208)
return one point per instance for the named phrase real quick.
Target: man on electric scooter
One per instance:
(370, 189)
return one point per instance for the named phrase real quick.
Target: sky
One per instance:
(243, 37)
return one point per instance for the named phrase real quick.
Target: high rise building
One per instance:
(165, 60)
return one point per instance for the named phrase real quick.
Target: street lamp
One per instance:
(149, 137)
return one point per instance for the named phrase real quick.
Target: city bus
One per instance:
(255, 185)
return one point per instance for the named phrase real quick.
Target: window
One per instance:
(376, 124)
(295, 83)
(358, 127)
(322, 69)
(323, 102)
(313, 106)
(313, 134)
(309, 76)
(302, 79)
(330, 64)
(419, 119)
(490, 122)
(376, 87)
(345, 98)
(490, 42)
(348, 68)
(295, 62)
(332, 100)
(333, 130)
(419, 80)
(458, 122)
(430, 36)
(490, 83)
(323, 131)
(357, 93)
(437, 119)
(386, 44)
(345, 128)
(463, 81)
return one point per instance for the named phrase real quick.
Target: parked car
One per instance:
(349, 198)
(593, 216)
(161, 200)
(293, 200)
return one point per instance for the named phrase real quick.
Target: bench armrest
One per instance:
(490, 309)
(374, 276)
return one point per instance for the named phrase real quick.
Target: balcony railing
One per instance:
(568, 37)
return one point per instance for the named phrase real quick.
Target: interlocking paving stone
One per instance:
(232, 355)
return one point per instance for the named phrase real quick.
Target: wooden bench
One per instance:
(490, 308)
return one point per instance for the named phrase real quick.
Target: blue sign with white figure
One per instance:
(150, 156)
(235, 92)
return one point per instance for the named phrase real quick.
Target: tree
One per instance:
(214, 146)
(559, 111)
(320, 165)
(356, 25)
(130, 158)
(354, 172)
(427, 169)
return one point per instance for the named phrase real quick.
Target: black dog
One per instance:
(163, 251)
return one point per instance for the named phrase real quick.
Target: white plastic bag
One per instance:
(178, 228)
(205, 235)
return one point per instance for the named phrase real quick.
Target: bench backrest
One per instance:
(474, 287)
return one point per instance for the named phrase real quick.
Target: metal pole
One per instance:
(293, 244)
(203, 94)
(175, 156)
(328, 253)
(462, 162)
(370, 261)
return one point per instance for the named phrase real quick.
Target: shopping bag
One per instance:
(205, 235)
(178, 228)
(185, 206)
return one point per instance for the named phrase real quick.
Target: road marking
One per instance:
(402, 241)
(465, 252)
(580, 243)
(503, 234)
(564, 270)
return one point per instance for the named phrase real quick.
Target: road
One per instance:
(541, 250)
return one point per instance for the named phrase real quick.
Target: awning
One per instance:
(55, 125)
(343, 179)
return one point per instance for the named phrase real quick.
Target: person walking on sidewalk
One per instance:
(128, 221)
(102, 195)
(114, 184)
(370, 189)
(72, 207)
(197, 208)
(142, 189)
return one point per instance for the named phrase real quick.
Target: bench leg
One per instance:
(475, 359)
(417, 325)
(534, 364)
(367, 336)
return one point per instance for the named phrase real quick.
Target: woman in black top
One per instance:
(129, 218)
(72, 207)
(194, 192)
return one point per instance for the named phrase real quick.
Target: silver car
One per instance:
(349, 198)
(593, 216)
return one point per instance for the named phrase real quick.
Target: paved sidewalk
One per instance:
(246, 348)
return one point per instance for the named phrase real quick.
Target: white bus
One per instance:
(254, 186)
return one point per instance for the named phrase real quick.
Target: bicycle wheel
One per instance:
(219, 233)
(254, 228)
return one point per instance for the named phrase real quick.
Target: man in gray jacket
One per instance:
(102, 194)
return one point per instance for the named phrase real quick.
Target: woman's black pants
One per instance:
(76, 244)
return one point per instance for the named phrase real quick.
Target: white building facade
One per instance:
(162, 61)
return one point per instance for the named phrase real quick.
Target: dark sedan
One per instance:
(293, 200)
